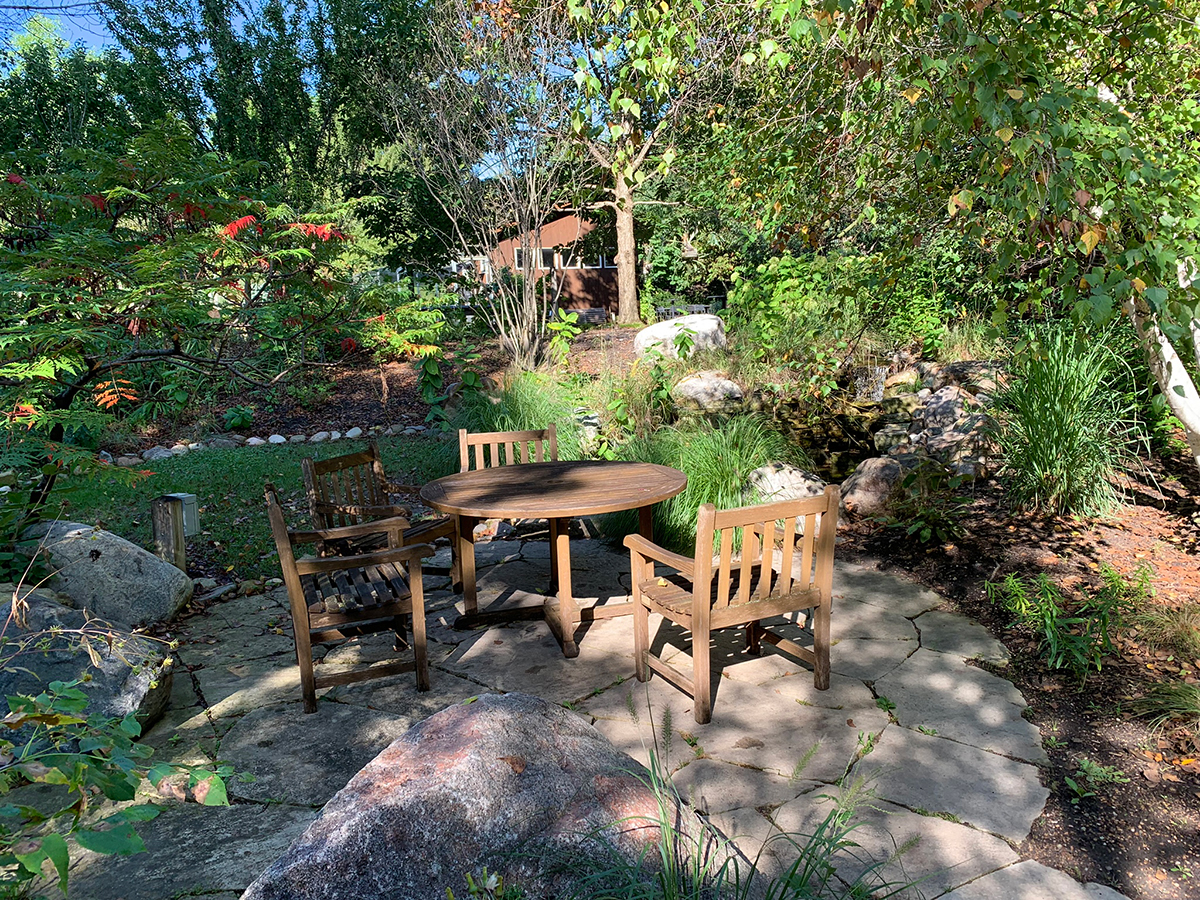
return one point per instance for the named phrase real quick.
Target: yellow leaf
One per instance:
(1015, 93)
(912, 95)
(1139, 285)
(1005, 134)
(1090, 239)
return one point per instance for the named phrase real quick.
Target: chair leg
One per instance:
(821, 646)
(701, 678)
(401, 642)
(641, 637)
(308, 682)
(754, 633)
(420, 657)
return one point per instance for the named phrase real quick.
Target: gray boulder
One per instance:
(866, 492)
(942, 409)
(708, 334)
(109, 577)
(156, 453)
(891, 436)
(779, 481)
(133, 674)
(708, 392)
(511, 782)
(973, 375)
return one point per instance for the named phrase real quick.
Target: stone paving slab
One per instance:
(961, 702)
(854, 618)
(304, 759)
(867, 659)
(886, 589)
(1031, 880)
(931, 854)
(952, 633)
(193, 851)
(526, 657)
(712, 786)
(990, 792)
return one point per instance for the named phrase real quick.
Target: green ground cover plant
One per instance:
(1076, 639)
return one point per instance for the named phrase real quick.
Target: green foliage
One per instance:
(528, 401)
(1173, 628)
(1063, 432)
(926, 503)
(238, 418)
(489, 887)
(717, 459)
(83, 756)
(563, 328)
(1090, 777)
(641, 402)
(405, 323)
(1077, 641)
(1171, 703)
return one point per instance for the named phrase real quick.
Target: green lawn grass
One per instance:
(228, 484)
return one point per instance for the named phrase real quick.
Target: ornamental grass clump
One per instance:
(717, 459)
(1064, 432)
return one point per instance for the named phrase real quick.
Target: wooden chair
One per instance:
(721, 592)
(505, 448)
(346, 596)
(352, 489)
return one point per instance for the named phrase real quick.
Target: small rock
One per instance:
(941, 410)
(156, 453)
(319, 438)
(335, 435)
(197, 447)
(393, 430)
(238, 439)
(708, 392)
(907, 378)
(355, 432)
(779, 481)
(277, 439)
(255, 442)
(222, 443)
(298, 439)
(105, 457)
(180, 450)
(203, 585)
(250, 586)
(128, 462)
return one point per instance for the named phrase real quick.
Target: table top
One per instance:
(551, 490)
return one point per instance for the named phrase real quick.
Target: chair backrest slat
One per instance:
(353, 479)
(505, 448)
(762, 535)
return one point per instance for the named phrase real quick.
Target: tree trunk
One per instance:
(1173, 379)
(628, 311)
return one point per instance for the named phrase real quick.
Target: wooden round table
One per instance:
(557, 491)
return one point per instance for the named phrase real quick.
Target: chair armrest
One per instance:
(685, 565)
(310, 565)
(396, 524)
(395, 487)
(324, 507)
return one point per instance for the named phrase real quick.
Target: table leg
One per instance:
(646, 522)
(554, 556)
(563, 619)
(466, 562)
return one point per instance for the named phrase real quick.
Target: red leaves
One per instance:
(349, 345)
(235, 227)
(23, 412)
(98, 203)
(192, 211)
(14, 178)
(324, 232)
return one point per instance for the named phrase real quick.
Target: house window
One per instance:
(596, 262)
(570, 259)
(548, 258)
(519, 258)
(608, 262)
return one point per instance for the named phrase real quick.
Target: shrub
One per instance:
(926, 503)
(1170, 703)
(1063, 431)
(1079, 640)
(405, 322)
(717, 459)
(1174, 629)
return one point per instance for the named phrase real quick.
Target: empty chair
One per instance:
(485, 449)
(352, 489)
(346, 596)
(778, 571)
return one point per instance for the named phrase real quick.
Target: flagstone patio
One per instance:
(941, 743)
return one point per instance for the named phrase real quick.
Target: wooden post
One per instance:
(166, 518)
